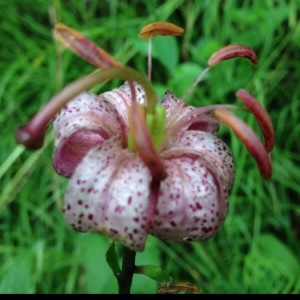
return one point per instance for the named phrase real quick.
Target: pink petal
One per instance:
(84, 123)
(210, 148)
(192, 203)
(109, 193)
(188, 204)
(121, 98)
(182, 117)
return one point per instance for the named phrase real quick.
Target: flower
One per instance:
(139, 168)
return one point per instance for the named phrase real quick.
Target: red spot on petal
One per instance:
(129, 200)
(173, 224)
(206, 229)
(198, 206)
(113, 231)
(119, 209)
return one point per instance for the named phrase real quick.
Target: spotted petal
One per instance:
(192, 202)
(188, 203)
(121, 98)
(84, 123)
(109, 193)
(209, 148)
(182, 117)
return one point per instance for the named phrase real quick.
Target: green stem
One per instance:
(127, 272)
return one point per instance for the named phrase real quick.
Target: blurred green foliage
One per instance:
(257, 249)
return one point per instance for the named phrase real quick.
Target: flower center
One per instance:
(156, 124)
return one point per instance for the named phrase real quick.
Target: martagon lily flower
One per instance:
(138, 166)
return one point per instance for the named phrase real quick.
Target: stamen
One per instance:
(157, 28)
(198, 79)
(261, 116)
(232, 51)
(31, 135)
(149, 59)
(225, 53)
(249, 138)
(160, 28)
(84, 48)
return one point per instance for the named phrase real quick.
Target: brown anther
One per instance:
(261, 116)
(29, 138)
(232, 51)
(84, 48)
(249, 138)
(176, 287)
(160, 28)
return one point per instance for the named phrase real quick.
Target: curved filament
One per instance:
(157, 28)
(249, 138)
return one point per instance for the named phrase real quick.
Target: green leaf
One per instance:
(154, 272)
(112, 259)
(165, 49)
(271, 266)
(18, 278)
(282, 258)
(96, 276)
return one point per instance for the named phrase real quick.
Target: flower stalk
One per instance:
(127, 271)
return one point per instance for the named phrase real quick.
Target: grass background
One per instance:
(257, 248)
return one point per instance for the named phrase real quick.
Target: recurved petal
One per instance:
(109, 193)
(84, 123)
(121, 98)
(209, 148)
(189, 207)
(182, 117)
(171, 103)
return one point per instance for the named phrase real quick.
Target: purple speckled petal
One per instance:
(210, 148)
(84, 123)
(171, 103)
(109, 193)
(182, 117)
(121, 98)
(188, 203)
(192, 203)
